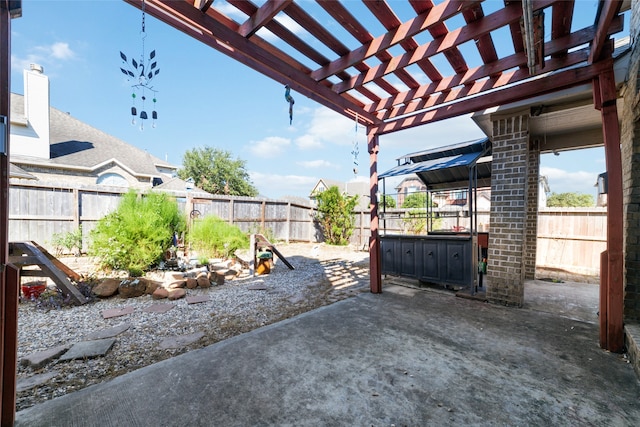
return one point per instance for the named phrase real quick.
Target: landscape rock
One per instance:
(152, 285)
(177, 294)
(131, 288)
(106, 288)
(177, 284)
(219, 279)
(160, 293)
(191, 282)
(203, 280)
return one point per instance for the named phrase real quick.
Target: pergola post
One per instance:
(612, 306)
(9, 276)
(375, 278)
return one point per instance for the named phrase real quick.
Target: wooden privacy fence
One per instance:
(39, 211)
(569, 239)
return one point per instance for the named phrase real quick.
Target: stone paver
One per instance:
(109, 332)
(158, 308)
(197, 299)
(34, 381)
(258, 287)
(87, 349)
(40, 358)
(116, 312)
(180, 341)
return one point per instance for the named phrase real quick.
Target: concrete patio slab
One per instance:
(388, 359)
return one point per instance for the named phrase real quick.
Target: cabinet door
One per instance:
(408, 258)
(387, 247)
(430, 265)
(456, 262)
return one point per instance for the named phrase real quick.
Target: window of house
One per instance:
(112, 179)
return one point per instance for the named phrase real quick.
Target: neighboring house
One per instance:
(52, 146)
(357, 188)
(407, 186)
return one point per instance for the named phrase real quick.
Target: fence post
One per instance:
(263, 212)
(288, 221)
(231, 211)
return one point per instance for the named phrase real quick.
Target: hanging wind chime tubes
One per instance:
(144, 72)
(355, 150)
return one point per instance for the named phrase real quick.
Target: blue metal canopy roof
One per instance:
(448, 167)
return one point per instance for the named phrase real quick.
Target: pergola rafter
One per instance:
(364, 73)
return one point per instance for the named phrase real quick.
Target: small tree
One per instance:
(415, 219)
(388, 202)
(136, 235)
(573, 200)
(417, 200)
(215, 171)
(335, 215)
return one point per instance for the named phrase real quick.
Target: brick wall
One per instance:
(630, 142)
(531, 227)
(507, 246)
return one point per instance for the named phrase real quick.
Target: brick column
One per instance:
(507, 234)
(531, 227)
(630, 146)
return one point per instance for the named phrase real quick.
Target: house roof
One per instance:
(77, 145)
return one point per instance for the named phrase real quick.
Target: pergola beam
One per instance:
(454, 38)
(264, 14)
(607, 13)
(408, 29)
(528, 89)
(217, 31)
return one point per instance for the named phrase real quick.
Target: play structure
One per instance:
(261, 253)
(30, 254)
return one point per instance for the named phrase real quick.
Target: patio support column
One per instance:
(507, 233)
(9, 276)
(375, 278)
(612, 305)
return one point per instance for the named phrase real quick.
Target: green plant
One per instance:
(136, 235)
(214, 237)
(415, 220)
(71, 241)
(388, 202)
(335, 215)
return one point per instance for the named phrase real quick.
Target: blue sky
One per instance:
(206, 99)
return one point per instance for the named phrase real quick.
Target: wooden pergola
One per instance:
(420, 63)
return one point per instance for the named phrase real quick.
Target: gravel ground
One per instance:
(323, 275)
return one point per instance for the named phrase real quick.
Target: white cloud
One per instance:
(47, 55)
(271, 146)
(562, 181)
(61, 51)
(328, 127)
(315, 164)
(276, 186)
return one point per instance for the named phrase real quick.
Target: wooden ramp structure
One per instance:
(259, 241)
(29, 253)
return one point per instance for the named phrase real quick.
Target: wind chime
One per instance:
(356, 150)
(142, 73)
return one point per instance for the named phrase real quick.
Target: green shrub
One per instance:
(136, 235)
(71, 241)
(335, 215)
(214, 237)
